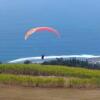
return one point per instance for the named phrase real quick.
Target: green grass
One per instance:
(33, 81)
(36, 75)
(48, 70)
(37, 81)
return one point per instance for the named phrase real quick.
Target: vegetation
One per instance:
(36, 75)
(73, 62)
(84, 83)
(31, 81)
(0, 62)
(27, 62)
(48, 70)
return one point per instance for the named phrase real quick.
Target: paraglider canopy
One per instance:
(39, 29)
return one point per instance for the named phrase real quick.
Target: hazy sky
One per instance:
(66, 15)
(77, 20)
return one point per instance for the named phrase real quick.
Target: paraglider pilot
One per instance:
(42, 57)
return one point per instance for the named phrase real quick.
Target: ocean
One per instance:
(77, 21)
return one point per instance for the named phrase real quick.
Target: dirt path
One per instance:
(17, 93)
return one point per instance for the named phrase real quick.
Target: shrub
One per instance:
(31, 81)
(27, 62)
(73, 62)
(48, 70)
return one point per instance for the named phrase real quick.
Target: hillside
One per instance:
(36, 75)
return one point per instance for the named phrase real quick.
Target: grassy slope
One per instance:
(48, 70)
(20, 74)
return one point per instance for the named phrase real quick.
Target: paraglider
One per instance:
(39, 29)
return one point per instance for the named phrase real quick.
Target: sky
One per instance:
(78, 21)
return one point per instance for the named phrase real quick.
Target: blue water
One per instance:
(78, 21)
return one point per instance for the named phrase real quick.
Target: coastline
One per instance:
(38, 59)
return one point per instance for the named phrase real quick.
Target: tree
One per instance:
(27, 62)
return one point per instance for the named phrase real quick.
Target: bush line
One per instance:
(31, 81)
(48, 82)
(48, 70)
